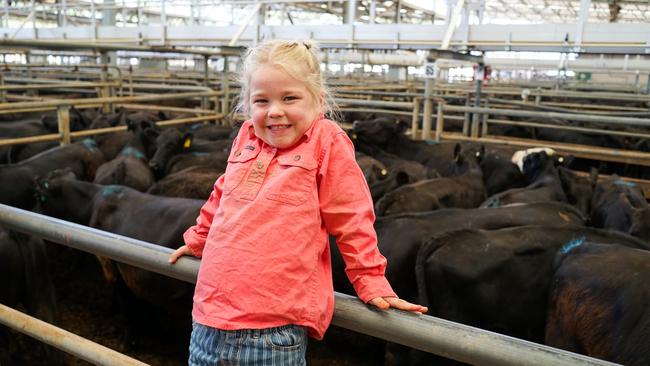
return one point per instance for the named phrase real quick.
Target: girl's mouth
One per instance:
(278, 127)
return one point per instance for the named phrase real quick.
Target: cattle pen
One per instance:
(504, 145)
(445, 338)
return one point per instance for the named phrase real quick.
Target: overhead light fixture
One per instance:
(388, 3)
(380, 9)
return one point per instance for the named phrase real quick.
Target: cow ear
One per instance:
(457, 150)
(187, 139)
(162, 116)
(130, 126)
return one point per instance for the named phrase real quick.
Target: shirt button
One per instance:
(260, 165)
(296, 158)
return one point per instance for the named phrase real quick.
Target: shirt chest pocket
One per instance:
(296, 177)
(239, 163)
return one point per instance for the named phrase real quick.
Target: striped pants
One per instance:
(285, 345)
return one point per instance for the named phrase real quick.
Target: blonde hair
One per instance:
(299, 59)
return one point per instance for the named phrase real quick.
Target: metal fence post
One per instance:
(428, 109)
(63, 117)
(466, 116)
(415, 120)
(440, 120)
(484, 120)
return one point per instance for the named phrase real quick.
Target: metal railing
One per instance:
(452, 340)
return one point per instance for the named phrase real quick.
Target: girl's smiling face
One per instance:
(281, 107)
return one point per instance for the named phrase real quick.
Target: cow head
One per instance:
(379, 131)
(170, 142)
(57, 196)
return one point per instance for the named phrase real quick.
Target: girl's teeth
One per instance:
(279, 127)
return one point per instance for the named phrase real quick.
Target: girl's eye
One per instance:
(259, 101)
(290, 97)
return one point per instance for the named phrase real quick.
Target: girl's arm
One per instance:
(196, 235)
(348, 213)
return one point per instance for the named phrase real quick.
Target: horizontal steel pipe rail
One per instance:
(64, 340)
(374, 103)
(452, 340)
(56, 86)
(568, 128)
(568, 116)
(102, 131)
(53, 103)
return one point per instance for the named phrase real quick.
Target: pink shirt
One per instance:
(263, 233)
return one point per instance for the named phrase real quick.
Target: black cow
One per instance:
(26, 281)
(499, 280)
(543, 181)
(621, 205)
(130, 167)
(125, 211)
(18, 187)
(463, 191)
(598, 303)
(194, 182)
(112, 143)
(176, 151)
(400, 236)
(387, 135)
(499, 173)
(579, 190)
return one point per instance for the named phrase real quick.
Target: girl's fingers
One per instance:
(405, 305)
(380, 303)
(397, 303)
(177, 254)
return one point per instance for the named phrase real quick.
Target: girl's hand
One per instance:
(397, 303)
(184, 250)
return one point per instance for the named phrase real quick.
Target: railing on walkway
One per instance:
(452, 340)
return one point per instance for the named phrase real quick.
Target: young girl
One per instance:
(265, 279)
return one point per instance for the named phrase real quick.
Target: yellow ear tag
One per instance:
(187, 143)
(384, 172)
(354, 136)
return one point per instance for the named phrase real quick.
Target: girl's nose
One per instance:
(275, 111)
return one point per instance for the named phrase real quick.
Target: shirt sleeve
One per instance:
(196, 235)
(347, 211)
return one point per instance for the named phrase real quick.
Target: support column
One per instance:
(477, 101)
(350, 12)
(582, 20)
(373, 11)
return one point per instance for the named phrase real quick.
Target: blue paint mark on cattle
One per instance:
(431, 142)
(573, 244)
(131, 151)
(196, 153)
(90, 144)
(196, 127)
(494, 203)
(621, 182)
(112, 190)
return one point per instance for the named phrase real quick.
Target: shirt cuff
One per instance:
(192, 242)
(371, 287)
